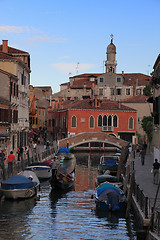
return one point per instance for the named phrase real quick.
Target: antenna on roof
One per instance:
(148, 69)
(77, 66)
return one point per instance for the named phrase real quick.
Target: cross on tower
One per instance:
(111, 37)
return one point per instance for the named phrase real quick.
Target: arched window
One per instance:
(73, 122)
(110, 120)
(104, 120)
(115, 121)
(91, 122)
(99, 121)
(131, 121)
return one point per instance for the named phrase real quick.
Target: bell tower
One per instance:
(111, 62)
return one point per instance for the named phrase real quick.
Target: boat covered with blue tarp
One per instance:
(20, 186)
(17, 182)
(110, 197)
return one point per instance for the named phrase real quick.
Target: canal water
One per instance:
(64, 215)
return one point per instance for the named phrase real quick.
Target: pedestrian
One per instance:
(145, 146)
(130, 150)
(18, 152)
(142, 155)
(2, 162)
(34, 148)
(21, 156)
(11, 158)
(155, 168)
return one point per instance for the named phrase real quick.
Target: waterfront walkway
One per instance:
(144, 177)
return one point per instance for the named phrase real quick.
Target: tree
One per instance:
(147, 91)
(147, 125)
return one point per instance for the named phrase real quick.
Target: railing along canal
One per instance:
(146, 204)
(18, 166)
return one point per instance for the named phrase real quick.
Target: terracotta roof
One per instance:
(87, 104)
(135, 99)
(14, 50)
(84, 75)
(135, 78)
(79, 83)
(6, 56)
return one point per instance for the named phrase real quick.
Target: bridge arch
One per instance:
(82, 138)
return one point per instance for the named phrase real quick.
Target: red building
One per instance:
(67, 118)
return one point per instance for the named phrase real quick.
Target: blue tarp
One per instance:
(105, 186)
(17, 182)
(109, 162)
(63, 151)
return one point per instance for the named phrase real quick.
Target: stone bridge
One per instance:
(82, 138)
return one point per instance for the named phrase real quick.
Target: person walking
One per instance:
(142, 155)
(156, 166)
(2, 161)
(11, 158)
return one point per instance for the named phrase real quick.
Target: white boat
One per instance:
(41, 169)
(20, 186)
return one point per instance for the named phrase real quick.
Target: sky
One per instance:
(65, 37)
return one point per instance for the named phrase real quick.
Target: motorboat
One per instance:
(20, 186)
(109, 163)
(41, 169)
(65, 154)
(110, 197)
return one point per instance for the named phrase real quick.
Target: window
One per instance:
(105, 120)
(101, 91)
(91, 122)
(99, 121)
(112, 91)
(131, 123)
(138, 91)
(73, 122)
(39, 113)
(101, 79)
(115, 121)
(118, 79)
(119, 91)
(110, 120)
(128, 91)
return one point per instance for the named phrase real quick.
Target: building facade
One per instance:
(155, 81)
(92, 115)
(17, 63)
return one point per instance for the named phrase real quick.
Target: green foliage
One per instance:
(147, 91)
(147, 125)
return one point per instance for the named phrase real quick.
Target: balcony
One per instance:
(107, 129)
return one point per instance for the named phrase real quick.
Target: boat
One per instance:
(41, 169)
(63, 172)
(109, 163)
(110, 197)
(63, 180)
(64, 153)
(20, 186)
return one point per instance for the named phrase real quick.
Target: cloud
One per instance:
(72, 67)
(45, 39)
(15, 29)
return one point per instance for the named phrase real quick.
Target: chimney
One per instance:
(119, 104)
(5, 46)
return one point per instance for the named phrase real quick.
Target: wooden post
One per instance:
(126, 178)
(120, 165)
(129, 197)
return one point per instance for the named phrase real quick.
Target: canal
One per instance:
(64, 215)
